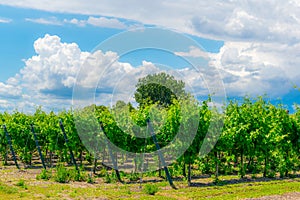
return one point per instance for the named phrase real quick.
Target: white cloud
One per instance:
(226, 20)
(262, 38)
(5, 20)
(54, 66)
(76, 22)
(9, 91)
(257, 68)
(194, 52)
(105, 22)
(94, 21)
(260, 54)
(48, 77)
(47, 21)
(248, 68)
(14, 81)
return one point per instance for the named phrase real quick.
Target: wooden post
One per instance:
(10, 146)
(38, 146)
(161, 157)
(66, 140)
(112, 157)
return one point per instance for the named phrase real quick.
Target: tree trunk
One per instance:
(183, 170)
(123, 158)
(30, 160)
(217, 166)
(287, 167)
(135, 164)
(265, 169)
(189, 175)
(5, 157)
(103, 155)
(51, 162)
(117, 171)
(95, 165)
(159, 170)
(46, 155)
(81, 157)
(250, 161)
(242, 164)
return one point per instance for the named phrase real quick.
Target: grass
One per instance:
(21, 183)
(241, 190)
(115, 191)
(14, 185)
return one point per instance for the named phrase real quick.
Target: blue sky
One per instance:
(43, 45)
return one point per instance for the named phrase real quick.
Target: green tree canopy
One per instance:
(158, 88)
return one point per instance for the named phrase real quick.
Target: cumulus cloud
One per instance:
(193, 52)
(260, 53)
(256, 69)
(262, 38)
(54, 66)
(9, 91)
(49, 76)
(250, 68)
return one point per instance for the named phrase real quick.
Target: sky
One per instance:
(50, 48)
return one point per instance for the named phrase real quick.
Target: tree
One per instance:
(158, 88)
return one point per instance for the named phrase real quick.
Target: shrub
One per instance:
(107, 178)
(271, 174)
(150, 189)
(133, 176)
(77, 175)
(45, 175)
(62, 174)
(102, 173)
(90, 179)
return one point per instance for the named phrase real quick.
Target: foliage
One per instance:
(257, 137)
(159, 88)
(44, 175)
(62, 174)
(133, 176)
(150, 189)
(90, 179)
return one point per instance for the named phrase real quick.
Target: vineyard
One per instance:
(257, 138)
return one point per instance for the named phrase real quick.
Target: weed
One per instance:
(133, 176)
(21, 183)
(77, 175)
(44, 175)
(150, 189)
(102, 173)
(62, 174)
(107, 178)
(90, 179)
